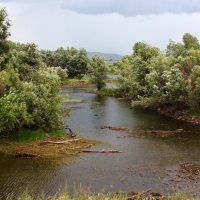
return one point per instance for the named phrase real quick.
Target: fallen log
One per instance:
(139, 195)
(159, 133)
(115, 128)
(25, 155)
(59, 142)
(101, 151)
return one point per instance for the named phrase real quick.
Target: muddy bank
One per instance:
(50, 146)
(165, 110)
(76, 84)
(179, 114)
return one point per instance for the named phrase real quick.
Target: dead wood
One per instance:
(101, 151)
(115, 128)
(60, 142)
(139, 195)
(25, 155)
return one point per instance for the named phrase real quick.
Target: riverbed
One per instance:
(146, 162)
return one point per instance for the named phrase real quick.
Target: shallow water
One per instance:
(146, 162)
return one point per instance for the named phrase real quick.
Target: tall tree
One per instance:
(98, 71)
(190, 41)
(4, 33)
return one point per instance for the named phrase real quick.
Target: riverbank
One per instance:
(75, 82)
(83, 82)
(84, 195)
(48, 146)
(174, 112)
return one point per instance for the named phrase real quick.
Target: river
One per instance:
(147, 162)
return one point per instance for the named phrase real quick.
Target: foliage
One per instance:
(85, 195)
(62, 73)
(194, 89)
(190, 41)
(4, 33)
(29, 90)
(73, 60)
(98, 70)
(171, 77)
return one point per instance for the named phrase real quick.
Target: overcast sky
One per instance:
(111, 26)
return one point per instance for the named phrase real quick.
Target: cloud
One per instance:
(132, 7)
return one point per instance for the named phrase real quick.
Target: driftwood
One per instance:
(139, 195)
(60, 142)
(88, 146)
(147, 194)
(101, 151)
(115, 128)
(25, 155)
(159, 133)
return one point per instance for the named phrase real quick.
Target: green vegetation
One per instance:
(86, 196)
(110, 92)
(98, 71)
(30, 82)
(155, 78)
(29, 135)
(44, 145)
(75, 61)
(29, 92)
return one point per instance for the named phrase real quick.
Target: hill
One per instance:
(106, 56)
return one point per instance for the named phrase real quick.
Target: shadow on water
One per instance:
(146, 162)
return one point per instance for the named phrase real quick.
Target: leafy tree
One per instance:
(73, 60)
(98, 71)
(13, 112)
(190, 41)
(138, 67)
(26, 59)
(194, 89)
(145, 51)
(175, 49)
(165, 78)
(4, 33)
(29, 90)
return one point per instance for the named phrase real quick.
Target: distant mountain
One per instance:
(106, 56)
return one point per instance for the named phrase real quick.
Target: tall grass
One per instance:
(26, 135)
(84, 196)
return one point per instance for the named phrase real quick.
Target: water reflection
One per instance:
(147, 162)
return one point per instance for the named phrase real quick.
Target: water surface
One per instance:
(146, 162)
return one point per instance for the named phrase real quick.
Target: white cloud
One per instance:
(132, 7)
(51, 27)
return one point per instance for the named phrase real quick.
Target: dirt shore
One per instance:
(47, 147)
(76, 84)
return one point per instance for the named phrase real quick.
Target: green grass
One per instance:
(111, 80)
(85, 196)
(109, 91)
(74, 80)
(146, 103)
(26, 135)
(66, 99)
(192, 113)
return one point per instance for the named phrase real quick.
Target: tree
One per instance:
(145, 51)
(190, 41)
(194, 89)
(13, 112)
(151, 75)
(73, 60)
(138, 68)
(175, 49)
(98, 70)
(4, 33)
